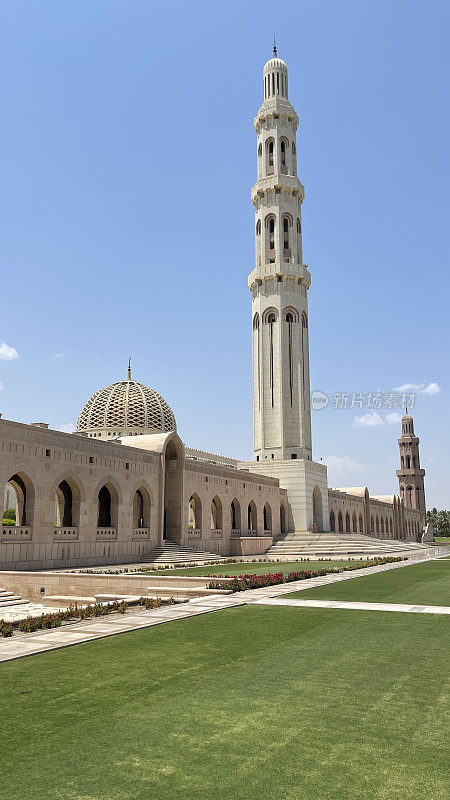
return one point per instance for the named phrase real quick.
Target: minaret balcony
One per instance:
(287, 183)
(299, 271)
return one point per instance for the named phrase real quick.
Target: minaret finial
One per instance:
(406, 409)
(129, 369)
(274, 47)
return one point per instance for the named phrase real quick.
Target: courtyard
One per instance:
(253, 701)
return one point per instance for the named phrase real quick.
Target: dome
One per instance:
(125, 408)
(275, 63)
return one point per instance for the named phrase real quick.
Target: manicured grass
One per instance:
(255, 703)
(424, 584)
(442, 539)
(258, 568)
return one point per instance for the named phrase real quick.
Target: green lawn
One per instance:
(442, 539)
(260, 703)
(253, 568)
(424, 584)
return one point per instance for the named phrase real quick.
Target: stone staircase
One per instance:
(337, 544)
(10, 599)
(172, 553)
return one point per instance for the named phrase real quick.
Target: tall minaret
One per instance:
(280, 282)
(410, 475)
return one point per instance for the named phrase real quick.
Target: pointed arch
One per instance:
(216, 513)
(267, 515)
(142, 505)
(195, 512)
(282, 519)
(317, 508)
(252, 517)
(332, 521)
(24, 490)
(68, 500)
(235, 514)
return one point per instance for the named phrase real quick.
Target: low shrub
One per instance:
(242, 582)
(6, 629)
(156, 602)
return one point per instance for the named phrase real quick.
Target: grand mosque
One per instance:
(124, 486)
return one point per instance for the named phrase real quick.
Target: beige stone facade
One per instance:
(353, 510)
(123, 499)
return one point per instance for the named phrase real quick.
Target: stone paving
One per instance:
(42, 641)
(274, 601)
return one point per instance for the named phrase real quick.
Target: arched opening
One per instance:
(391, 527)
(317, 509)
(269, 157)
(235, 515)
(67, 504)
(354, 524)
(270, 239)
(409, 496)
(104, 517)
(283, 146)
(332, 521)
(347, 523)
(361, 524)
(141, 508)
(22, 494)
(382, 525)
(173, 492)
(340, 523)
(252, 519)
(267, 514)
(282, 519)
(195, 513)
(216, 514)
(371, 525)
(377, 524)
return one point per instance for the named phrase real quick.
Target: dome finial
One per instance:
(274, 47)
(129, 369)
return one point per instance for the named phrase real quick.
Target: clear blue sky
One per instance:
(127, 156)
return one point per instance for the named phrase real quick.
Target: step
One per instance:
(15, 601)
(13, 598)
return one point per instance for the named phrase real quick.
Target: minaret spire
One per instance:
(411, 475)
(129, 369)
(279, 282)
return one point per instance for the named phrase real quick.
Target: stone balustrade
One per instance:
(216, 533)
(140, 533)
(65, 534)
(194, 532)
(106, 534)
(15, 533)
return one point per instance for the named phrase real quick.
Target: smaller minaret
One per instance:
(410, 475)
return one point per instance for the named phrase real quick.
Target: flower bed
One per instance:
(249, 581)
(72, 613)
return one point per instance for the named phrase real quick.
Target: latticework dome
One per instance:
(125, 408)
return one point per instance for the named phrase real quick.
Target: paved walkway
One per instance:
(275, 601)
(86, 631)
